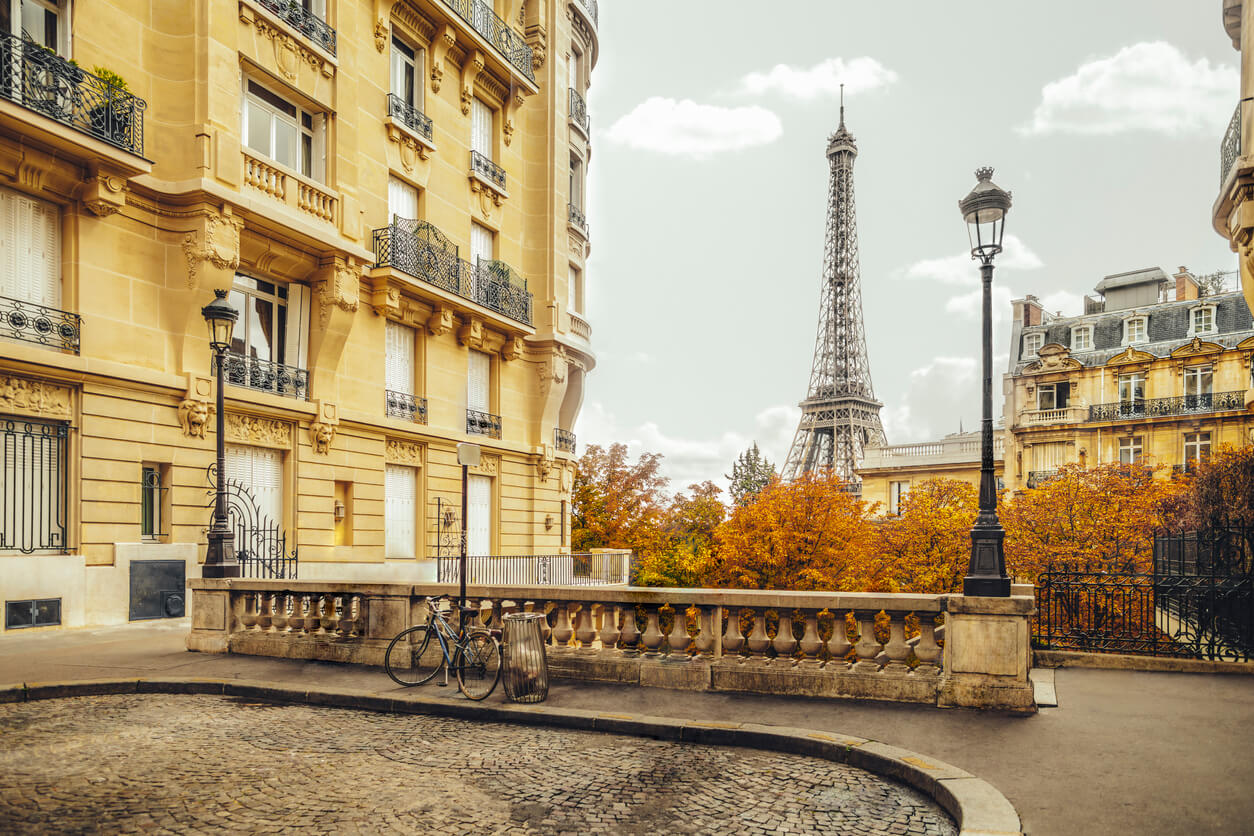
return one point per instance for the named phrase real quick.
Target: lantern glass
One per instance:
(984, 211)
(220, 316)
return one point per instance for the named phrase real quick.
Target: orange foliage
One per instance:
(928, 547)
(617, 505)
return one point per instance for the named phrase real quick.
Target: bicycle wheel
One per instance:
(478, 665)
(412, 657)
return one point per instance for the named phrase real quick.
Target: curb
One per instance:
(1127, 662)
(977, 807)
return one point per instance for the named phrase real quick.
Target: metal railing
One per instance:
(34, 486)
(564, 440)
(304, 21)
(40, 80)
(1178, 405)
(593, 11)
(576, 216)
(594, 569)
(487, 23)
(406, 407)
(1036, 478)
(487, 169)
(579, 110)
(483, 423)
(266, 376)
(409, 116)
(421, 250)
(1230, 146)
(39, 324)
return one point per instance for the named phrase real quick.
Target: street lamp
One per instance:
(984, 210)
(220, 555)
(467, 457)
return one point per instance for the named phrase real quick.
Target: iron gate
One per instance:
(260, 542)
(33, 485)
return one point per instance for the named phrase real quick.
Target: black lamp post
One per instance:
(467, 457)
(220, 556)
(984, 210)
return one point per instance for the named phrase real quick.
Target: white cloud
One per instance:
(684, 127)
(968, 305)
(1143, 87)
(823, 79)
(1064, 302)
(941, 396)
(961, 270)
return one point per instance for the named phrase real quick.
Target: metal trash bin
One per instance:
(526, 671)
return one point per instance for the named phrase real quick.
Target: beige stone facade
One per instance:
(889, 472)
(385, 186)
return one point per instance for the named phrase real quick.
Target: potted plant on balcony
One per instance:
(113, 112)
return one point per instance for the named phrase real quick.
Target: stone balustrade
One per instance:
(272, 179)
(935, 649)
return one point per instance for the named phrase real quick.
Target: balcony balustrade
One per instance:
(1159, 407)
(1066, 414)
(421, 250)
(406, 407)
(593, 11)
(576, 216)
(1036, 478)
(947, 451)
(580, 327)
(39, 324)
(42, 81)
(579, 110)
(564, 440)
(483, 423)
(497, 32)
(1230, 147)
(485, 168)
(266, 376)
(294, 14)
(409, 116)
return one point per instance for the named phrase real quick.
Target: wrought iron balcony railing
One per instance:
(304, 21)
(409, 116)
(564, 440)
(39, 324)
(577, 217)
(1036, 478)
(40, 80)
(1230, 147)
(579, 110)
(487, 169)
(1157, 407)
(406, 407)
(593, 11)
(483, 423)
(421, 250)
(266, 376)
(488, 24)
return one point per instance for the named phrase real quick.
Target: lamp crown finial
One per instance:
(984, 173)
(219, 293)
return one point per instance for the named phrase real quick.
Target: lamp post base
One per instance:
(220, 559)
(986, 576)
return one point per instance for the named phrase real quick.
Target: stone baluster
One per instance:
(326, 613)
(810, 643)
(784, 641)
(278, 619)
(265, 601)
(867, 647)
(927, 650)
(495, 614)
(299, 620)
(562, 630)
(757, 641)
(351, 617)
(248, 610)
(704, 639)
(652, 637)
(609, 627)
(678, 640)
(538, 607)
(629, 635)
(733, 641)
(585, 628)
(838, 645)
(897, 649)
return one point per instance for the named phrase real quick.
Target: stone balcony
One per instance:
(960, 449)
(1041, 417)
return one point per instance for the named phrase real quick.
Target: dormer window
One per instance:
(1202, 320)
(1135, 330)
(1082, 338)
(1032, 344)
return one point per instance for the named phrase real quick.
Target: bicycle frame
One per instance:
(445, 633)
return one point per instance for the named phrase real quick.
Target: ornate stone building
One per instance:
(392, 193)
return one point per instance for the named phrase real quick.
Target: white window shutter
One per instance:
(10, 261)
(481, 128)
(400, 511)
(296, 352)
(399, 373)
(481, 240)
(398, 74)
(477, 395)
(45, 259)
(402, 200)
(479, 515)
(260, 471)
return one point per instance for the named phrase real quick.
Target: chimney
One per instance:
(1028, 310)
(1186, 285)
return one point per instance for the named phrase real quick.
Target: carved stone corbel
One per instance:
(443, 41)
(217, 244)
(104, 193)
(441, 321)
(511, 111)
(340, 288)
(512, 349)
(384, 299)
(544, 463)
(470, 72)
(471, 333)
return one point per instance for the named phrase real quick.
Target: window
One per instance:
(41, 21)
(400, 358)
(1196, 449)
(1132, 392)
(154, 488)
(481, 127)
(576, 71)
(289, 135)
(33, 485)
(30, 249)
(1202, 320)
(1198, 381)
(1130, 450)
(402, 200)
(896, 492)
(1032, 344)
(576, 183)
(478, 394)
(1134, 330)
(400, 511)
(274, 324)
(479, 515)
(407, 63)
(1082, 338)
(259, 470)
(1052, 395)
(317, 8)
(482, 243)
(574, 294)
(1049, 457)
(39, 613)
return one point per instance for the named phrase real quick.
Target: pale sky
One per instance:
(708, 194)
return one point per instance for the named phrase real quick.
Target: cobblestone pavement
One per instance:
(193, 764)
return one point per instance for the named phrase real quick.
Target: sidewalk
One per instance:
(1125, 752)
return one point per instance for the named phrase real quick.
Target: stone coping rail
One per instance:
(975, 805)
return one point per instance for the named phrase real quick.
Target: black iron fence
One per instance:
(294, 14)
(576, 216)
(39, 324)
(407, 407)
(266, 376)
(260, 542)
(593, 10)
(487, 169)
(579, 110)
(38, 79)
(1230, 146)
(33, 485)
(497, 32)
(409, 116)
(564, 440)
(483, 423)
(539, 569)
(1179, 405)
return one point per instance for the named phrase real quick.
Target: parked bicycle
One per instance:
(474, 655)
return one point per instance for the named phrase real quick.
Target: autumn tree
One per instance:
(751, 472)
(684, 553)
(807, 534)
(617, 504)
(1220, 493)
(927, 547)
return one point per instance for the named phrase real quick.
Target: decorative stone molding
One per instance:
(262, 432)
(512, 349)
(470, 72)
(568, 477)
(488, 466)
(511, 111)
(321, 437)
(219, 245)
(193, 417)
(544, 463)
(489, 196)
(538, 39)
(104, 193)
(385, 299)
(1197, 347)
(289, 53)
(410, 148)
(444, 40)
(552, 370)
(399, 451)
(380, 35)
(441, 321)
(1054, 358)
(471, 333)
(36, 398)
(1129, 355)
(340, 289)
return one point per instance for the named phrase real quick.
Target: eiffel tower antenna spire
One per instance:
(840, 414)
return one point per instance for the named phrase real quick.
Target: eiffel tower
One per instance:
(840, 414)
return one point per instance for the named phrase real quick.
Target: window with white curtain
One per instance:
(478, 379)
(260, 471)
(479, 515)
(400, 358)
(30, 249)
(273, 323)
(896, 492)
(400, 511)
(45, 22)
(482, 243)
(481, 127)
(1196, 448)
(402, 200)
(1049, 457)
